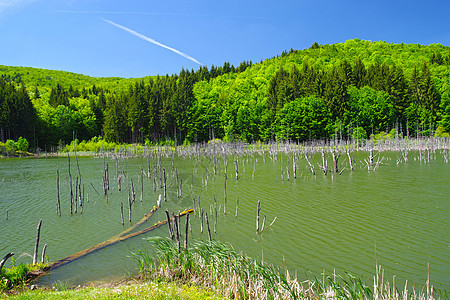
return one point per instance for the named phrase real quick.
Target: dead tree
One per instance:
(186, 232)
(324, 163)
(43, 253)
(5, 258)
(311, 166)
(257, 216)
(36, 247)
(57, 188)
(336, 156)
(350, 159)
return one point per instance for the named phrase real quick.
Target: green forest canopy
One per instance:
(313, 93)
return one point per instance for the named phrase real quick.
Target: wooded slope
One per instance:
(301, 94)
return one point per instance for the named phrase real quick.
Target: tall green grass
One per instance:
(235, 275)
(17, 276)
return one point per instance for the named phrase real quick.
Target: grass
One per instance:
(16, 276)
(235, 275)
(213, 270)
(151, 290)
(14, 284)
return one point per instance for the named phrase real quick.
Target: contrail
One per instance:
(145, 38)
(92, 12)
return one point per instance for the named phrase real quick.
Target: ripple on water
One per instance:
(395, 216)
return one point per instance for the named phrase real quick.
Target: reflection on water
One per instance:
(396, 216)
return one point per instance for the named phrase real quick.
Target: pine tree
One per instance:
(359, 73)
(431, 97)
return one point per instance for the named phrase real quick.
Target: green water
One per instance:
(396, 216)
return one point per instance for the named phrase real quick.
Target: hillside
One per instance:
(333, 75)
(300, 95)
(45, 79)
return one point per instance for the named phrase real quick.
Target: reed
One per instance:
(237, 276)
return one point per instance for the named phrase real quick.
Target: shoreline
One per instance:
(397, 144)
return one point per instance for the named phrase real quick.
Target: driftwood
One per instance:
(114, 240)
(142, 221)
(4, 260)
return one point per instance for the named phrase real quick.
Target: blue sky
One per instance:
(139, 38)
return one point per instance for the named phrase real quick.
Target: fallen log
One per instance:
(114, 240)
(142, 221)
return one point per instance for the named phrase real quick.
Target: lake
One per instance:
(395, 216)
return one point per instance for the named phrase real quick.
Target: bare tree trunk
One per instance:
(350, 160)
(43, 253)
(186, 232)
(57, 186)
(201, 221)
(170, 224)
(121, 213)
(225, 196)
(263, 223)
(324, 163)
(5, 258)
(36, 247)
(236, 167)
(310, 165)
(142, 185)
(207, 226)
(129, 206)
(336, 156)
(165, 189)
(257, 216)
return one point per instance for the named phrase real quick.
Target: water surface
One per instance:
(396, 216)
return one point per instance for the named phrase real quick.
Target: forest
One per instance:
(356, 88)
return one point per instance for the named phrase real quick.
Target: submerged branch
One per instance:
(114, 240)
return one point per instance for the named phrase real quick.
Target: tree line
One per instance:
(17, 113)
(317, 103)
(309, 94)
